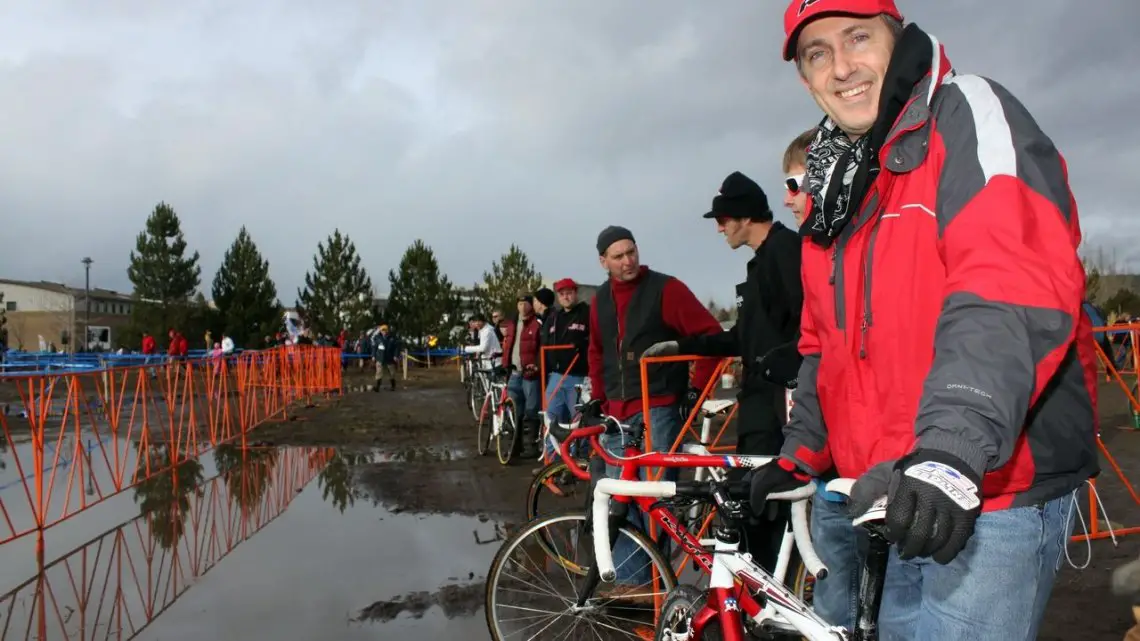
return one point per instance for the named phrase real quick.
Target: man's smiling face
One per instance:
(843, 61)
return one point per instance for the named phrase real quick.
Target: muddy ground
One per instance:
(429, 411)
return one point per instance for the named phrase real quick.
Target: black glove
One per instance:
(592, 409)
(934, 503)
(780, 475)
(781, 365)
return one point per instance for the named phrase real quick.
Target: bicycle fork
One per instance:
(617, 517)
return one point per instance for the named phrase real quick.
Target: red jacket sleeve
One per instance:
(508, 345)
(597, 383)
(681, 311)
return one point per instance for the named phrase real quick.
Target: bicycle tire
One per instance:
(665, 571)
(474, 396)
(509, 429)
(538, 484)
(538, 487)
(483, 427)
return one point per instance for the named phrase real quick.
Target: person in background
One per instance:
(768, 305)
(149, 348)
(385, 351)
(543, 304)
(795, 159)
(209, 341)
(488, 348)
(227, 344)
(635, 308)
(521, 351)
(179, 349)
(497, 322)
(568, 324)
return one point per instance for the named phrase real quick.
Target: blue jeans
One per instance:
(560, 404)
(665, 424)
(996, 588)
(525, 394)
(835, 540)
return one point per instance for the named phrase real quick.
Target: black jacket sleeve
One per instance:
(724, 344)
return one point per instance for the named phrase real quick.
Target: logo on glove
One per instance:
(960, 489)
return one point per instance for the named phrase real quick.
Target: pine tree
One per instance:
(244, 294)
(338, 292)
(510, 276)
(3, 322)
(165, 278)
(422, 302)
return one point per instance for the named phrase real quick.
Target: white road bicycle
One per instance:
(742, 596)
(541, 586)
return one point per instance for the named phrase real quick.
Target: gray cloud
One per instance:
(543, 122)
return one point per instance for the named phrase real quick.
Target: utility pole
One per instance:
(87, 302)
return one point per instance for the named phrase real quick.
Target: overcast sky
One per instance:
(474, 123)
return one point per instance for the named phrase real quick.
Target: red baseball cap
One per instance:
(565, 283)
(800, 12)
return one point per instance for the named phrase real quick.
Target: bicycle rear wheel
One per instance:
(475, 395)
(509, 439)
(486, 419)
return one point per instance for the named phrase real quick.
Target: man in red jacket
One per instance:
(947, 361)
(635, 308)
(521, 349)
(179, 347)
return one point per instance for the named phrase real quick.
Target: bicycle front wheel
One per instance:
(532, 595)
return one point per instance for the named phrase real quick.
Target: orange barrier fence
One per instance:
(687, 428)
(75, 440)
(1111, 373)
(542, 372)
(115, 584)
(114, 428)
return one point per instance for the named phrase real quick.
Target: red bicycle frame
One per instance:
(723, 603)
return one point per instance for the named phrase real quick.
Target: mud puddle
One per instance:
(421, 454)
(333, 566)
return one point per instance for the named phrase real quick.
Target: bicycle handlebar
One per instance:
(607, 488)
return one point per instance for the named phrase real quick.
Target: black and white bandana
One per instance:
(830, 153)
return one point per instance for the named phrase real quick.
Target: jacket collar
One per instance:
(908, 141)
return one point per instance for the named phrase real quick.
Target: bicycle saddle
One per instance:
(716, 406)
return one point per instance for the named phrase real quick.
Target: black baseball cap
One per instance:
(740, 197)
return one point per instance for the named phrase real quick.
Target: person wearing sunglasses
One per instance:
(764, 336)
(795, 160)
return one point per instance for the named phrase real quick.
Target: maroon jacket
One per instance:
(529, 345)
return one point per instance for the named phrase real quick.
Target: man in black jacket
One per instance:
(568, 324)
(767, 325)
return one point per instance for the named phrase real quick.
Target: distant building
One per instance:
(56, 312)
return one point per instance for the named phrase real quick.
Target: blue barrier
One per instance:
(22, 363)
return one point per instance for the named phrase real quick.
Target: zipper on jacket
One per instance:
(837, 281)
(621, 367)
(868, 261)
